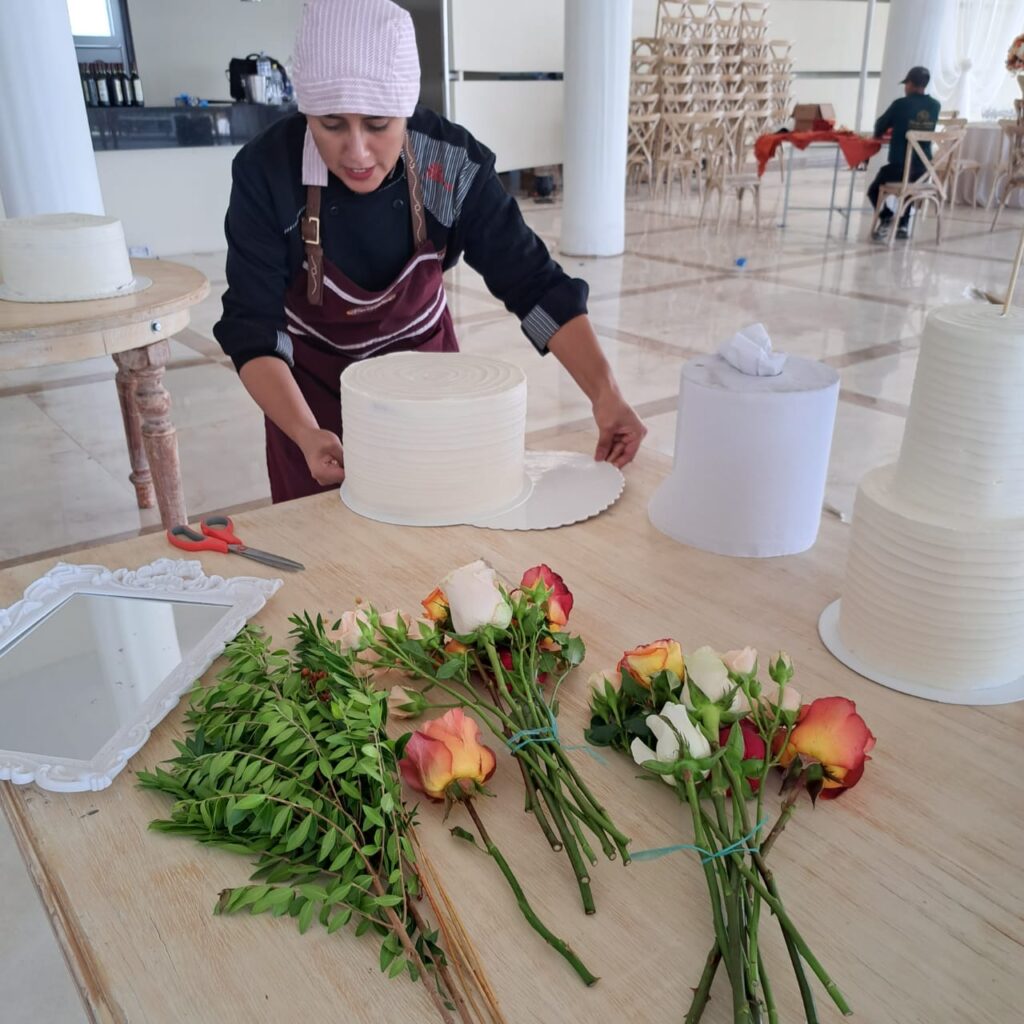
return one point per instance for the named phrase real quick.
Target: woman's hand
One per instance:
(620, 430)
(324, 456)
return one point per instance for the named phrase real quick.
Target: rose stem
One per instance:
(769, 998)
(559, 945)
(703, 989)
(572, 852)
(709, 871)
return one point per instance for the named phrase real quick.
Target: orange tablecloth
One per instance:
(856, 149)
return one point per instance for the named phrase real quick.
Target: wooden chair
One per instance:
(641, 148)
(679, 154)
(1014, 173)
(962, 165)
(723, 148)
(930, 187)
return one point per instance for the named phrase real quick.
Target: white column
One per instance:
(597, 50)
(47, 163)
(918, 32)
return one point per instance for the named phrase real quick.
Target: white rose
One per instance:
(709, 673)
(742, 663)
(667, 749)
(475, 599)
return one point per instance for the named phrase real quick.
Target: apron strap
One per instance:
(314, 251)
(419, 223)
(310, 227)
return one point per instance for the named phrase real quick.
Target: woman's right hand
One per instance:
(324, 456)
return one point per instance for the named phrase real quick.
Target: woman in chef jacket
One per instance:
(342, 220)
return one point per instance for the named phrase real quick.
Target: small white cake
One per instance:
(63, 257)
(934, 591)
(433, 438)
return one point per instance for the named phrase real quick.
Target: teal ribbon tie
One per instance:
(547, 734)
(706, 855)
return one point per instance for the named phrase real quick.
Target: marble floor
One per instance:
(679, 289)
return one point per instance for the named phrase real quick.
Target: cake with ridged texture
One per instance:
(933, 598)
(65, 257)
(433, 439)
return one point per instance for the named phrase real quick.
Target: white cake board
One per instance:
(138, 283)
(1003, 693)
(568, 487)
(561, 488)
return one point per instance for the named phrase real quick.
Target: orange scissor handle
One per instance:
(188, 540)
(222, 528)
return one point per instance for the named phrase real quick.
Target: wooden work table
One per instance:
(909, 888)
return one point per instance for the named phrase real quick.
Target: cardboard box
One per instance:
(814, 117)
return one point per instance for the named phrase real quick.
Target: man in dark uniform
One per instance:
(916, 112)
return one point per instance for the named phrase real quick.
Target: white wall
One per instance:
(172, 200)
(494, 35)
(185, 45)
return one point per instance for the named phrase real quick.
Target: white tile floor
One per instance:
(677, 289)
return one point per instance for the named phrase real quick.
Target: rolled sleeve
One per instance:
(515, 263)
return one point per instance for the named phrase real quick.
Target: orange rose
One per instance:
(454, 647)
(435, 604)
(445, 759)
(559, 601)
(829, 732)
(644, 663)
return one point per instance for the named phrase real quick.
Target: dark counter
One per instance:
(228, 124)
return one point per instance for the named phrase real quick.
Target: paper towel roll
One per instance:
(751, 458)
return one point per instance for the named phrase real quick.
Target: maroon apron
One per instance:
(323, 304)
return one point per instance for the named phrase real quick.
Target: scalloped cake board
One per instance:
(564, 488)
(1004, 693)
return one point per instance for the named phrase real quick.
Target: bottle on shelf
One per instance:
(115, 87)
(85, 85)
(126, 85)
(102, 90)
(137, 96)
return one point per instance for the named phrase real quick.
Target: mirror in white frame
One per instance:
(92, 659)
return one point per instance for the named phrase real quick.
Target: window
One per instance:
(101, 31)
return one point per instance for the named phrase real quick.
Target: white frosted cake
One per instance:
(434, 438)
(63, 257)
(934, 591)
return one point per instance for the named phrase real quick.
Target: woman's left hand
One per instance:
(620, 430)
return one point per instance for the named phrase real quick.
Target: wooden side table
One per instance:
(134, 330)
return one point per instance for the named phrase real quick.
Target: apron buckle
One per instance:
(314, 223)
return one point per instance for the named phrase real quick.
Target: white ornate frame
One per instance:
(165, 579)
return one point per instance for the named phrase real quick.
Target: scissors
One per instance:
(218, 534)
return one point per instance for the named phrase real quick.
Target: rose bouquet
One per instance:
(712, 730)
(501, 653)
(1015, 55)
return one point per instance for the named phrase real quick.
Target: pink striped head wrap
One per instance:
(353, 57)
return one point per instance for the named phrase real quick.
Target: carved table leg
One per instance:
(144, 368)
(140, 474)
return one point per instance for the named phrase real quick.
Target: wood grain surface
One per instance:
(909, 888)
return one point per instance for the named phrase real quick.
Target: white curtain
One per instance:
(971, 71)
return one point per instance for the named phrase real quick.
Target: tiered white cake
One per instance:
(433, 438)
(63, 257)
(934, 591)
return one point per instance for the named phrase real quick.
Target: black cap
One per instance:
(919, 77)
